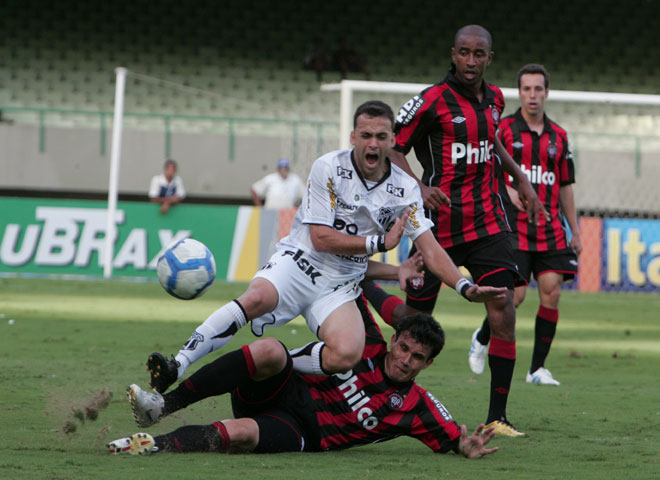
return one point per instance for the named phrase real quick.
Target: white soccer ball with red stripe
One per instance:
(187, 269)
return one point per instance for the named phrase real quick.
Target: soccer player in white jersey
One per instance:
(356, 203)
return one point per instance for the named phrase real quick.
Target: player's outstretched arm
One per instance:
(438, 262)
(474, 446)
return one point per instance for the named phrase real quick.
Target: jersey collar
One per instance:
(453, 82)
(523, 124)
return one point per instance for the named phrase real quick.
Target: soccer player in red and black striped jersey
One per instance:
(541, 148)
(278, 410)
(451, 126)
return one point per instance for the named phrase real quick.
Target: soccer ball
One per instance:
(186, 269)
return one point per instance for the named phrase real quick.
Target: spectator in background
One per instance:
(167, 188)
(281, 189)
(348, 60)
(317, 58)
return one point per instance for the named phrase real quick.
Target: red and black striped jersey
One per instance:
(453, 135)
(547, 161)
(363, 406)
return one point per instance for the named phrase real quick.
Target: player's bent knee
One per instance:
(269, 356)
(243, 434)
(341, 360)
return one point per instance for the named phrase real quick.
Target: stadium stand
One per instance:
(249, 53)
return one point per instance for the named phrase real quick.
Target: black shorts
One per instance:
(282, 406)
(490, 261)
(563, 262)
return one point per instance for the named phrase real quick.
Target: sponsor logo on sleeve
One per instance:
(412, 218)
(440, 407)
(409, 109)
(333, 195)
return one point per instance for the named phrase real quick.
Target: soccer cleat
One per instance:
(163, 372)
(477, 355)
(542, 376)
(503, 427)
(138, 444)
(147, 407)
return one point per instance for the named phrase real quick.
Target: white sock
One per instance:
(307, 359)
(211, 335)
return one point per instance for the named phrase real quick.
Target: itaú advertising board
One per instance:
(68, 236)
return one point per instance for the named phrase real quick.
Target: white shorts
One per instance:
(304, 290)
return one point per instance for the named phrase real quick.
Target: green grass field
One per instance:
(71, 340)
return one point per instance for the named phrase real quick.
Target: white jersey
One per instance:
(337, 196)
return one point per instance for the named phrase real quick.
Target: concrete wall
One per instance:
(607, 179)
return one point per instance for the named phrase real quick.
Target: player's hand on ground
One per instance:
(410, 269)
(474, 446)
(479, 293)
(433, 197)
(393, 237)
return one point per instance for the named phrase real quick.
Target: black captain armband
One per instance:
(462, 287)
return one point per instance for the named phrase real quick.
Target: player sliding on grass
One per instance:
(356, 204)
(278, 410)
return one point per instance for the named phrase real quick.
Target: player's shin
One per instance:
(217, 378)
(211, 335)
(195, 438)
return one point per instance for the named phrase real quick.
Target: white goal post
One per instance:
(347, 87)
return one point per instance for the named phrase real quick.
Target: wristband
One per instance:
(462, 287)
(381, 243)
(371, 244)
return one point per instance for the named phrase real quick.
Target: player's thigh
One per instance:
(294, 287)
(549, 284)
(343, 331)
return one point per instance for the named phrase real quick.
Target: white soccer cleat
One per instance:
(147, 406)
(477, 355)
(138, 444)
(542, 376)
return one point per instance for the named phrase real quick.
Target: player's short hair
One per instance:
(424, 329)
(534, 68)
(374, 108)
(172, 162)
(474, 30)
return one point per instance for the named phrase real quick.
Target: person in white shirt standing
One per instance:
(281, 189)
(167, 188)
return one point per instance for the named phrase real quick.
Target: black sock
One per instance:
(502, 360)
(544, 333)
(484, 334)
(216, 378)
(194, 438)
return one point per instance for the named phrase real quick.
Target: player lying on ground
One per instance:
(278, 410)
(357, 203)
